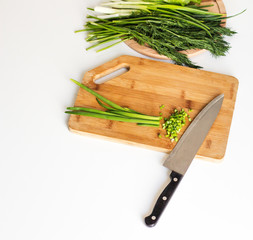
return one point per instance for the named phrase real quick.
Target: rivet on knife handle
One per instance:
(163, 199)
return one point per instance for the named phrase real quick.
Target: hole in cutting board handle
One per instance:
(108, 75)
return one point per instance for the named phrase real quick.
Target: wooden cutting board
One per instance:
(145, 87)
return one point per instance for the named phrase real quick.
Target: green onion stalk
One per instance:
(113, 111)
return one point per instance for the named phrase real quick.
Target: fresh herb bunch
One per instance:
(166, 28)
(113, 111)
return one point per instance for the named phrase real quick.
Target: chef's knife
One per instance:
(180, 158)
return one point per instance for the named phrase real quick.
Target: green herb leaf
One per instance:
(163, 25)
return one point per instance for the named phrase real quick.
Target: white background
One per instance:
(58, 185)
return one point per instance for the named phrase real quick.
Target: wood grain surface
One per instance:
(147, 85)
(218, 6)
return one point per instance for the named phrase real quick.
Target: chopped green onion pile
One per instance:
(175, 123)
(113, 111)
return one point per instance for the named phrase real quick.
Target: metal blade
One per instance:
(188, 145)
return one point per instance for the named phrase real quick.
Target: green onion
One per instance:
(99, 96)
(91, 110)
(113, 111)
(112, 117)
(175, 123)
(135, 115)
(149, 125)
(103, 105)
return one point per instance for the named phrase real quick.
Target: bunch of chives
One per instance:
(113, 111)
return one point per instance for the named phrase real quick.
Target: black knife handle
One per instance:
(163, 199)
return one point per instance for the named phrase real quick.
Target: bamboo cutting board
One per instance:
(145, 87)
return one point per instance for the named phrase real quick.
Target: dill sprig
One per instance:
(166, 28)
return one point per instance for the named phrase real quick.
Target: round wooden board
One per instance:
(218, 6)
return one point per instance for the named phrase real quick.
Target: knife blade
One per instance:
(180, 158)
